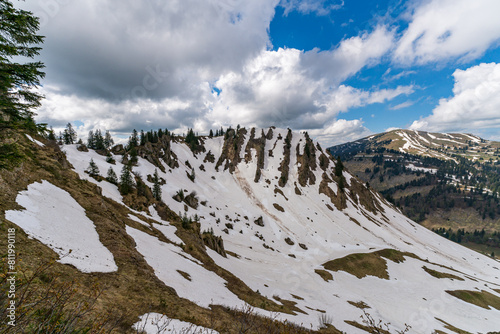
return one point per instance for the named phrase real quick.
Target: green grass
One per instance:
(324, 274)
(439, 274)
(361, 305)
(452, 328)
(365, 264)
(482, 299)
(360, 265)
(10, 155)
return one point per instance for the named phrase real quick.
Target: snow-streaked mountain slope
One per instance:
(446, 146)
(308, 222)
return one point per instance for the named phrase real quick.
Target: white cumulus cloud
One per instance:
(277, 88)
(340, 131)
(475, 103)
(320, 7)
(440, 30)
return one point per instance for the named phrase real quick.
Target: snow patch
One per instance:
(52, 216)
(134, 218)
(155, 323)
(34, 140)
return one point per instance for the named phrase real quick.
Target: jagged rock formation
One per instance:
(233, 142)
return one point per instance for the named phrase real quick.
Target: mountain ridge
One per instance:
(280, 236)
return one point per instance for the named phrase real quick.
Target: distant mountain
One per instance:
(445, 146)
(250, 231)
(444, 181)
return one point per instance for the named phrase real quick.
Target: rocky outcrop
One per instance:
(230, 156)
(284, 167)
(161, 150)
(214, 242)
(259, 145)
(307, 162)
(259, 221)
(339, 199)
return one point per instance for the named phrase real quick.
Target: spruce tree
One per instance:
(18, 38)
(92, 169)
(99, 140)
(133, 157)
(143, 138)
(156, 186)
(111, 176)
(52, 135)
(90, 140)
(69, 134)
(108, 140)
(126, 182)
(339, 167)
(133, 141)
(211, 134)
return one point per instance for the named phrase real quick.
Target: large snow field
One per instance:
(268, 264)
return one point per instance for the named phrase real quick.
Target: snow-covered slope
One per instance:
(280, 230)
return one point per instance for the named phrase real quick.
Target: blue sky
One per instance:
(338, 69)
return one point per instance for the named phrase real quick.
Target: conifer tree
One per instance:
(60, 138)
(108, 140)
(126, 182)
(52, 135)
(133, 157)
(211, 134)
(111, 176)
(92, 169)
(339, 167)
(156, 186)
(90, 140)
(192, 140)
(142, 138)
(133, 141)
(99, 140)
(18, 38)
(69, 134)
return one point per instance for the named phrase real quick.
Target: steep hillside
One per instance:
(444, 181)
(257, 217)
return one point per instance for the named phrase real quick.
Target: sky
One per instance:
(339, 69)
